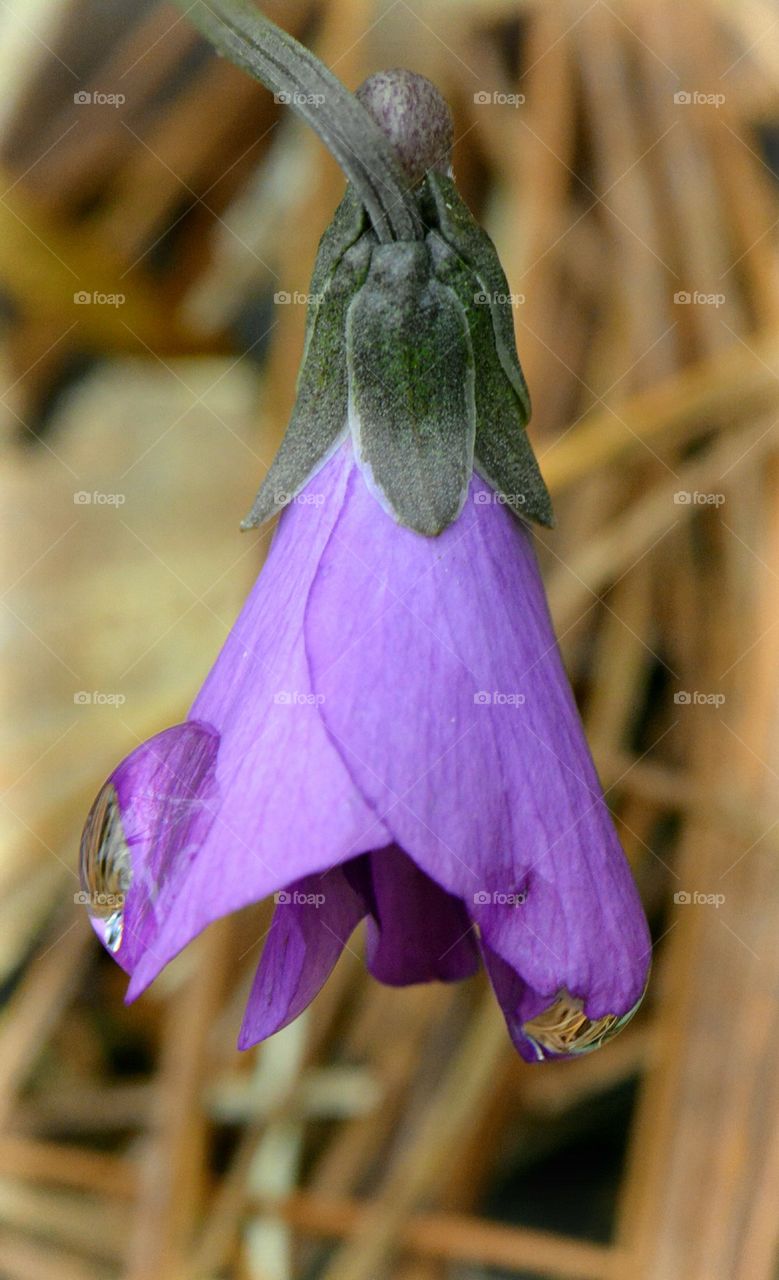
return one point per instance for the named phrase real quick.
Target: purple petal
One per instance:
(311, 925)
(444, 691)
(287, 805)
(417, 932)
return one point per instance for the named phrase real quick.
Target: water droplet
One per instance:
(564, 1028)
(105, 867)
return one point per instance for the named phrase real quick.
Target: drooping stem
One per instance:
(244, 35)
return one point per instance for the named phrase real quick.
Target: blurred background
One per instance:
(159, 218)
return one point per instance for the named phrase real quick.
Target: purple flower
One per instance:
(387, 733)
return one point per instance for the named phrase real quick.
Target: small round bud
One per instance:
(414, 116)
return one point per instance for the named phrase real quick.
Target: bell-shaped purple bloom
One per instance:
(388, 733)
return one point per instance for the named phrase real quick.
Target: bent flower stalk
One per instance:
(388, 733)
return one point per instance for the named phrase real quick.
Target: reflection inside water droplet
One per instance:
(105, 867)
(564, 1027)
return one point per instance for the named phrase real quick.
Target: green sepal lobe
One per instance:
(462, 232)
(319, 417)
(502, 453)
(411, 380)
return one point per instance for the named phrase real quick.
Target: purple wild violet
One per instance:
(388, 734)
